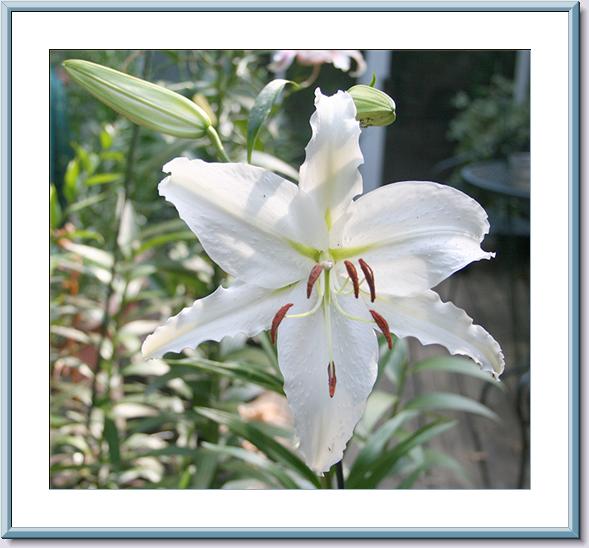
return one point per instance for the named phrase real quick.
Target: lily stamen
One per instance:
(277, 319)
(384, 327)
(331, 378)
(369, 275)
(353, 274)
(309, 312)
(313, 277)
(347, 315)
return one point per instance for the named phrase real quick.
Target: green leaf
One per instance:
(394, 360)
(111, 435)
(245, 372)
(377, 405)
(92, 254)
(87, 202)
(70, 181)
(105, 139)
(374, 447)
(261, 110)
(104, 178)
(262, 441)
(383, 465)
(181, 236)
(455, 365)
(446, 401)
(435, 459)
(256, 460)
(55, 214)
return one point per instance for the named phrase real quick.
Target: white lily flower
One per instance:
(326, 273)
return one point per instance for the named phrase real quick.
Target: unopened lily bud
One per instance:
(142, 102)
(373, 107)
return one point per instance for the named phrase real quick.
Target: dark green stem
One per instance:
(216, 141)
(339, 475)
(116, 254)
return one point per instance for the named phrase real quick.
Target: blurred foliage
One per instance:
(122, 261)
(490, 124)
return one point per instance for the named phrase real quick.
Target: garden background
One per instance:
(121, 262)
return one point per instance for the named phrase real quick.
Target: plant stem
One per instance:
(339, 475)
(114, 250)
(216, 141)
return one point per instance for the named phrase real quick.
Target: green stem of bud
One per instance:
(216, 141)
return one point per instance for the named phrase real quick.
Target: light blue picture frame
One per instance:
(570, 7)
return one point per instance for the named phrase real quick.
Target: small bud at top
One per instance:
(373, 107)
(142, 102)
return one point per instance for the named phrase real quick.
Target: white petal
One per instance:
(282, 59)
(241, 309)
(341, 60)
(330, 173)
(323, 424)
(417, 234)
(432, 321)
(243, 217)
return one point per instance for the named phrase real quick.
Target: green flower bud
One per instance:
(142, 102)
(373, 107)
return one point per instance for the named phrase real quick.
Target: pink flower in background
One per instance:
(339, 58)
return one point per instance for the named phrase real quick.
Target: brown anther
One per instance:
(383, 326)
(353, 274)
(331, 379)
(277, 319)
(313, 277)
(369, 275)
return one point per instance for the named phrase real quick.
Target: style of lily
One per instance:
(326, 273)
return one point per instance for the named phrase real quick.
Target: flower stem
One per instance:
(216, 141)
(339, 475)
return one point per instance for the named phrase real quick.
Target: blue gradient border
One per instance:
(573, 10)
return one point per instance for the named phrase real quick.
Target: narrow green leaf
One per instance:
(245, 372)
(383, 465)
(111, 435)
(261, 110)
(55, 214)
(181, 236)
(92, 254)
(255, 460)
(446, 401)
(393, 362)
(263, 442)
(435, 459)
(70, 182)
(455, 365)
(374, 447)
(104, 178)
